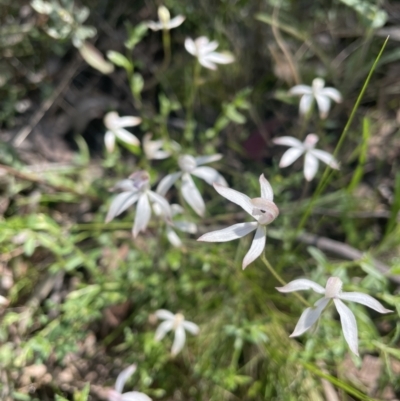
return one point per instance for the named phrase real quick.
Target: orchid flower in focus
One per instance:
(116, 129)
(177, 323)
(136, 189)
(117, 395)
(311, 155)
(332, 291)
(317, 91)
(203, 49)
(193, 166)
(165, 22)
(262, 209)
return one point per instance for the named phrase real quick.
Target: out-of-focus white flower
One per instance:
(322, 96)
(116, 394)
(332, 291)
(262, 209)
(311, 155)
(165, 22)
(155, 150)
(203, 49)
(116, 129)
(191, 165)
(177, 323)
(137, 189)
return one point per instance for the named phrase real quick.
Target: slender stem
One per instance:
(281, 280)
(167, 49)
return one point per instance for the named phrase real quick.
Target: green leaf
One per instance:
(120, 60)
(135, 35)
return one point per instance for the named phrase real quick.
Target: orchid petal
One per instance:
(266, 189)
(162, 202)
(179, 340)
(300, 285)
(143, 214)
(309, 317)
(186, 226)
(207, 64)
(305, 104)
(230, 233)
(190, 46)
(173, 237)
(123, 377)
(109, 140)
(220, 58)
(364, 299)
(208, 159)
(154, 26)
(325, 157)
(324, 104)
(125, 136)
(126, 185)
(310, 166)
(205, 46)
(163, 329)
(349, 325)
(127, 121)
(120, 203)
(288, 141)
(300, 90)
(191, 327)
(333, 93)
(290, 156)
(176, 21)
(257, 246)
(209, 175)
(135, 396)
(236, 197)
(164, 314)
(166, 183)
(192, 195)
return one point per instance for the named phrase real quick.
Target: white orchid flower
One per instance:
(177, 323)
(317, 91)
(165, 22)
(136, 189)
(262, 209)
(117, 395)
(203, 49)
(155, 150)
(332, 291)
(193, 165)
(311, 155)
(116, 129)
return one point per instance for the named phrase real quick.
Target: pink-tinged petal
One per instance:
(192, 195)
(179, 340)
(266, 189)
(163, 329)
(143, 214)
(230, 233)
(113, 395)
(288, 141)
(125, 136)
(154, 26)
(135, 396)
(264, 211)
(300, 90)
(324, 104)
(364, 299)
(209, 175)
(191, 327)
(207, 159)
(162, 202)
(310, 141)
(349, 325)
(190, 46)
(305, 104)
(166, 183)
(310, 166)
(123, 377)
(309, 317)
(120, 203)
(176, 21)
(333, 93)
(326, 158)
(173, 237)
(300, 285)
(333, 287)
(220, 58)
(257, 246)
(127, 121)
(164, 314)
(236, 197)
(290, 156)
(206, 63)
(109, 140)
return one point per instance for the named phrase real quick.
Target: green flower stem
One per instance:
(166, 38)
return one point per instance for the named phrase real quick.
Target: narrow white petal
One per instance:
(109, 140)
(173, 237)
(309, 317)
(190, 46)
(230, 233)
(364, 299)
(186, 226)
(305, 104)
(123, 377)
(207, 63)
(176, 21)
(257, 246)
(135, 396)
(154, 26)
(120, 203)
(191, 327)
(205, 45)
(166, 183)
(349, 325)
(209, 175)
(266, 189)
(143, 214)
(220, 58)
(125, 136)
(162, 202)
(300, 90)
(164, 314)
(288, 141)
(236, 197)
(163, 329)
(208, 159)
(310, 166)
(333, 93)
(324, 104)
(300, 285)
(290, 156)
(127, 121)
(192, 195)
(325, 157)
(179, 340)
(125, 185)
